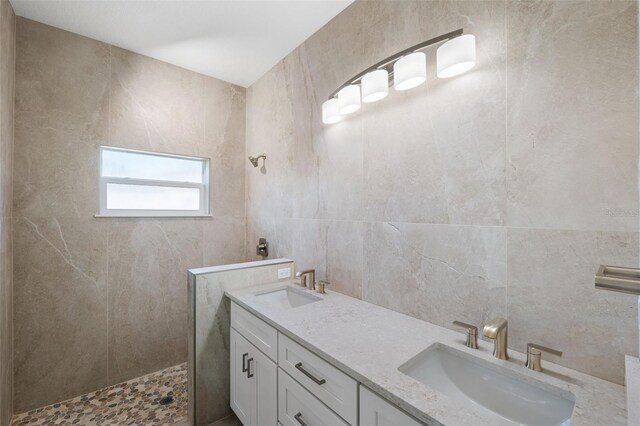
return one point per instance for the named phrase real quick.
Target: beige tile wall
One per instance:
(498, 192)
(7, 77)
(98, 301)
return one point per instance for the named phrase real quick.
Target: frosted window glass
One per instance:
(138, 165)
(146, 197)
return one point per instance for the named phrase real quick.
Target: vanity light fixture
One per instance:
(410, 71)
(375, 86)
(405, 70)
(349, 99)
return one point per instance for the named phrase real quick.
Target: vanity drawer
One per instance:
(258, 332)
(296, 406)
(375, 411)
(327, 383)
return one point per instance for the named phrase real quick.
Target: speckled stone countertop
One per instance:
(632, 375)
(369, 343)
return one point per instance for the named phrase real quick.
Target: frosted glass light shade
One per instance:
(331, 111)
(410, 71)
(375, 86)
(456, 56)
(349, 99)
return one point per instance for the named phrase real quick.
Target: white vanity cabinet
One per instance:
(375, 411)
(253, 383)
(276, 381)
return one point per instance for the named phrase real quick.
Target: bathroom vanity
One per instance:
(302, 358)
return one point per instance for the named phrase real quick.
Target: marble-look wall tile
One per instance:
(60, 309)
(148, 261)
(552, 299)
(269, 187)
(7, 82)
(141, 118)
(573, 115)
(345, 257)
(447, 163)
(6, 322)
(223, 240)
(542, 133)
(437, 273)
(74, 94)
(224, 136)
(62, 98)
(7, 88)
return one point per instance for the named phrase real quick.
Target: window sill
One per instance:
(151, 216)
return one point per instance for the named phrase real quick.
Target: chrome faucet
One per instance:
(303, 278)
(497, 330)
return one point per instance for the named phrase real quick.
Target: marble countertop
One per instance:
(369, 343)
(632, 375)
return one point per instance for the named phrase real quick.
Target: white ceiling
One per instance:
(234, 40)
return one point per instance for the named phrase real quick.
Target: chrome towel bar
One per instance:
(617, 278)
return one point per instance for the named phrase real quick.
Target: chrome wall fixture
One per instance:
(254, 160)
(404, 70)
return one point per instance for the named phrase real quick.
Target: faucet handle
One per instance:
(322, 286)
(472, 334)
(534, 355)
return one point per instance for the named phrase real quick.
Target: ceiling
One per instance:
(235, 40)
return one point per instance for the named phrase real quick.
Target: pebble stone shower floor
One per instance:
(136, 402)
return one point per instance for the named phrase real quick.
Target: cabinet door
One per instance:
(264, 373)
(375, 411)
(243, 394)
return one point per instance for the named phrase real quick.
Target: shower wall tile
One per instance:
(223, 240)
(7, 88)
(270, 186)
(6, 320)
(542, 133)
(62, 97)
(74, 94)
(60, 309)
(148, 261)
(573, 108)
(224, 136)
(7, 82)
(552, 299)
(140, 116)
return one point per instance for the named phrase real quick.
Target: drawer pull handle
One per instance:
(249, 373)
(244, 362)
(309, 375)
(298, 418)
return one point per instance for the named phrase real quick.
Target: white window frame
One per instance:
(103, 211)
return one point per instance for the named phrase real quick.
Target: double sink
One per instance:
(469, 380)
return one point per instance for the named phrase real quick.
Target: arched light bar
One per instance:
(407, 69)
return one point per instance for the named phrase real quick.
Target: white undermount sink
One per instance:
(287, 297)
(504, 393)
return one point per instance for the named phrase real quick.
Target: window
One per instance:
(138, 183)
